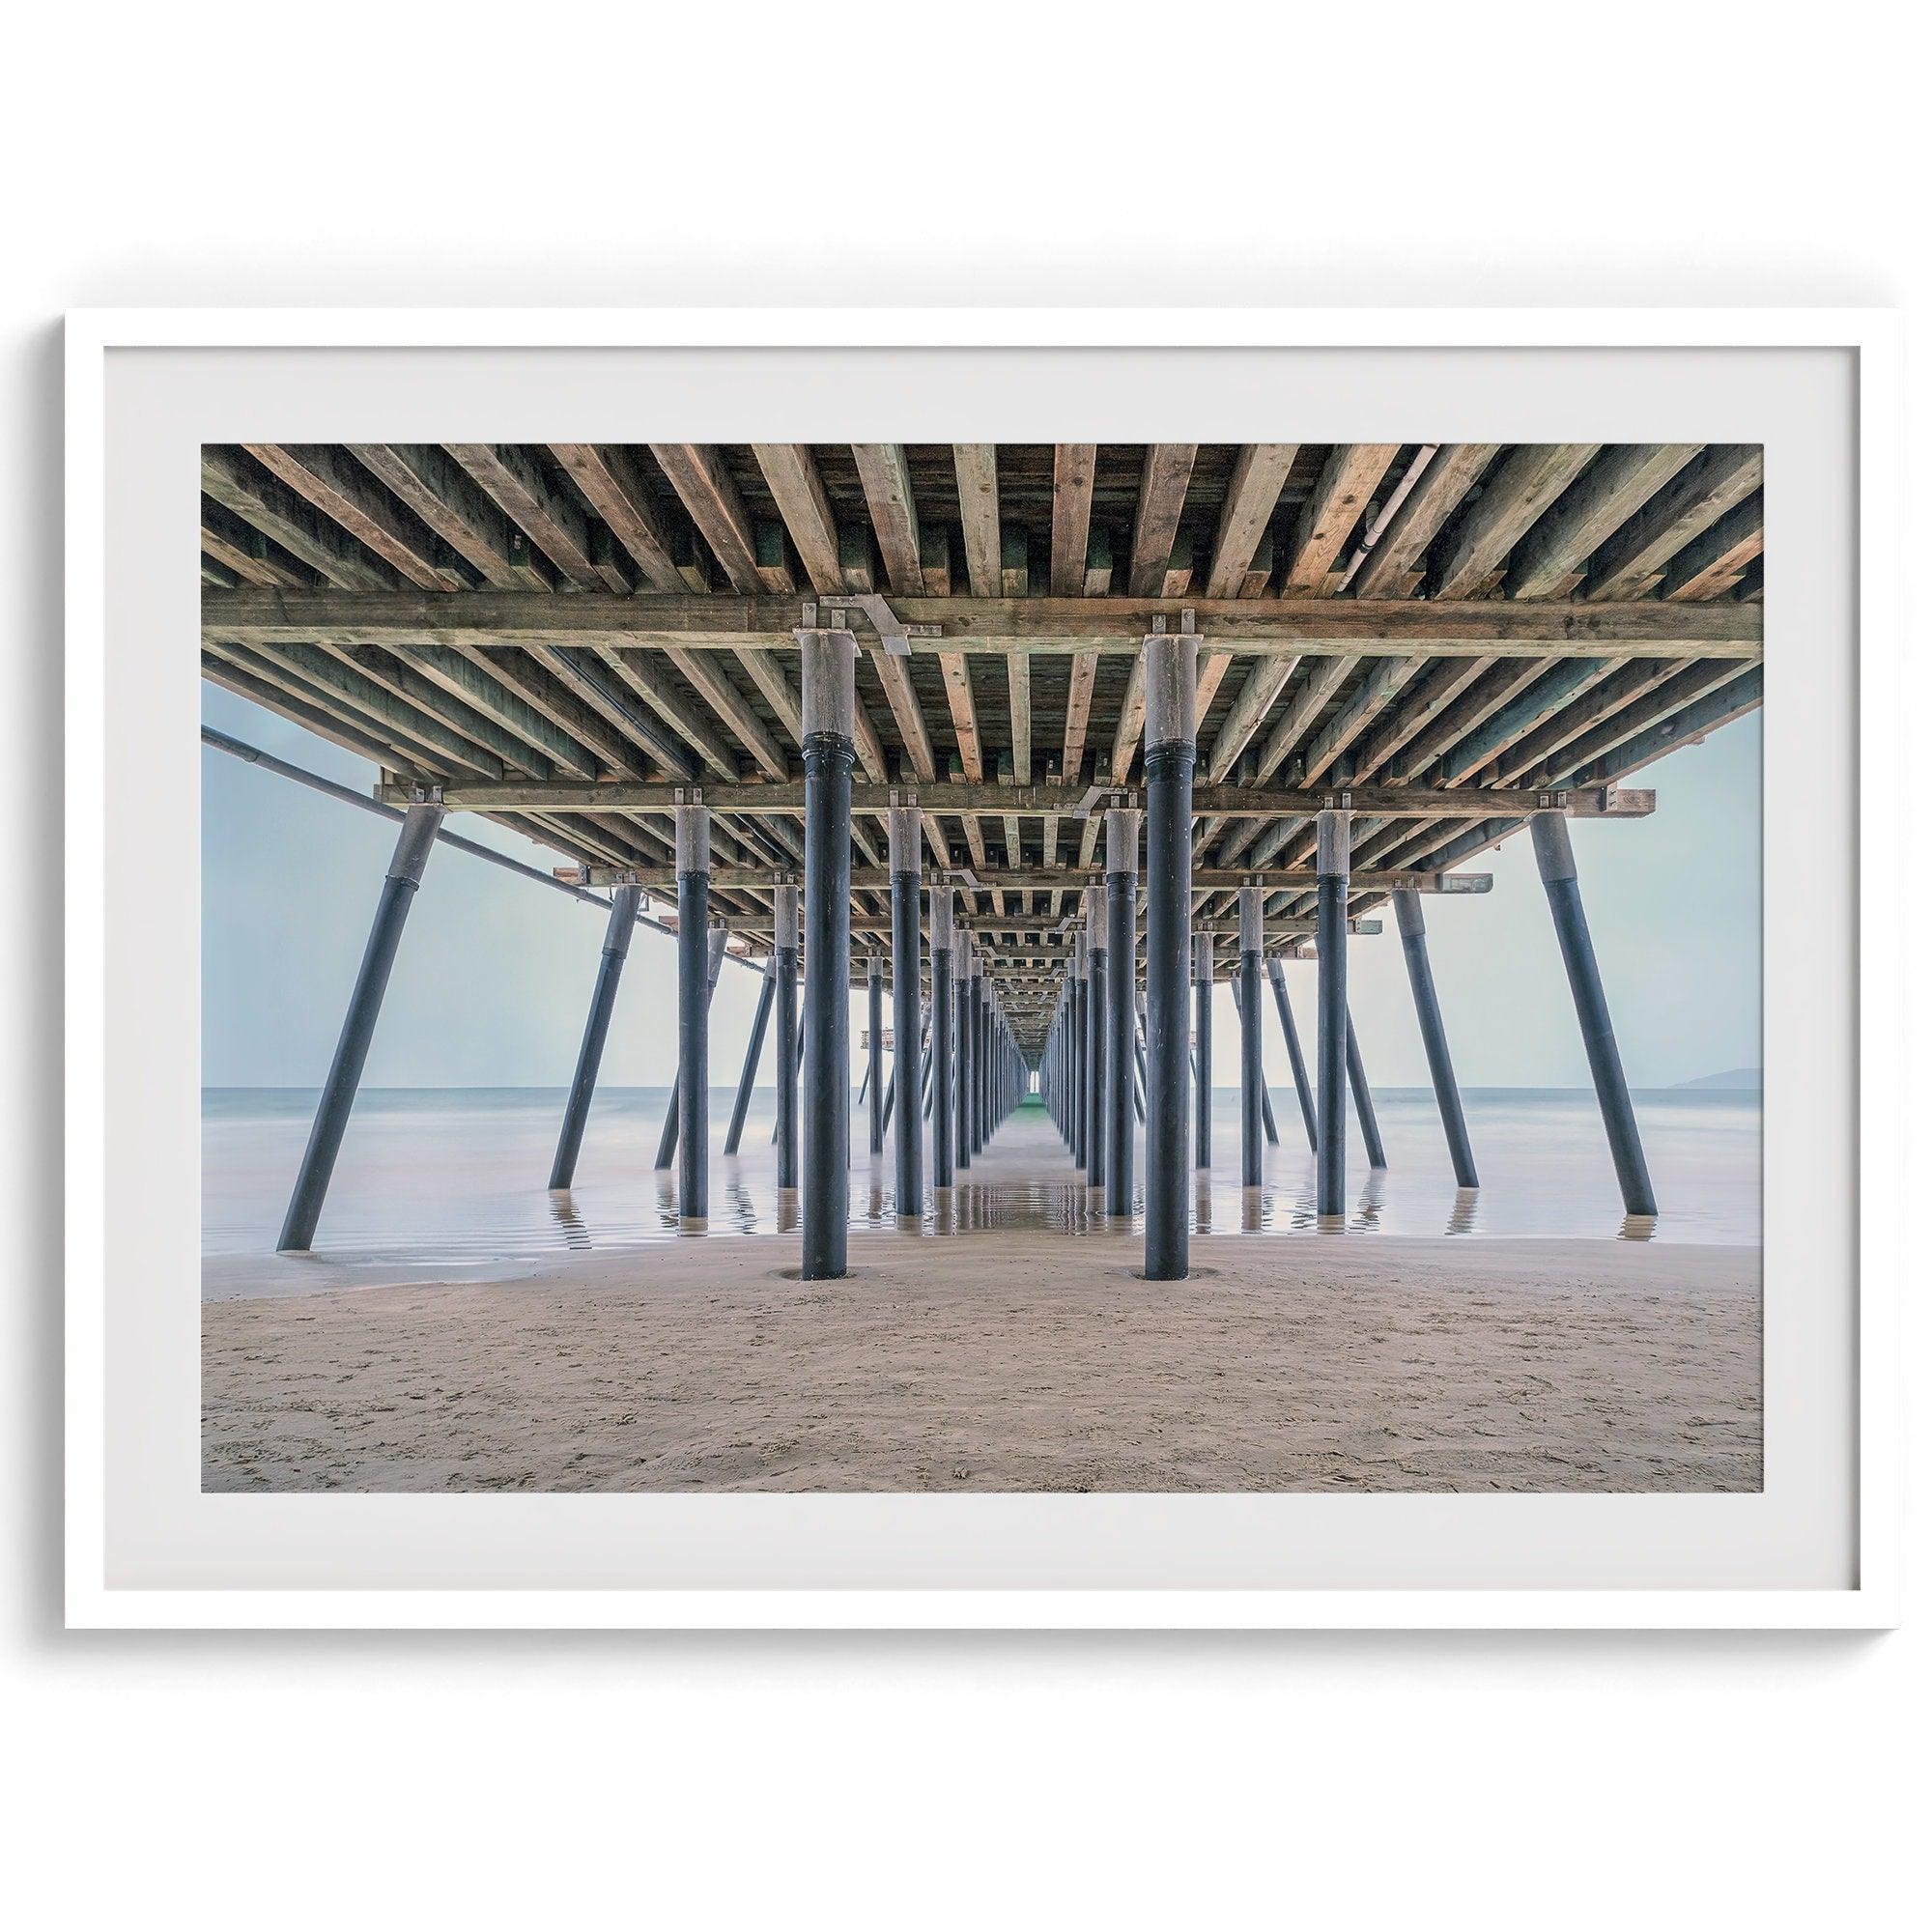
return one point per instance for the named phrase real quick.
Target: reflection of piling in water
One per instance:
(1369, 1208)
(1462, 1215)
(563, 1212)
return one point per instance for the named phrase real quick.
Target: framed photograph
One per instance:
(983, 969)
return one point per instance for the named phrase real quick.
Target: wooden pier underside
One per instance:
(1444, 638)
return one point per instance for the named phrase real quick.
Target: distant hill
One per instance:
(1751, 1077)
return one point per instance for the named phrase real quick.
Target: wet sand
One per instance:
(1011, 1358)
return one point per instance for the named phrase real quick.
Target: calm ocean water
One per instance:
(451, 1180)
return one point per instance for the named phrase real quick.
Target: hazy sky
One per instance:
(493, 974)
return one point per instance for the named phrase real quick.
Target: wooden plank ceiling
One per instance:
(1410, 617)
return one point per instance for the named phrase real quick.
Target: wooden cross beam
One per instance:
(559, 796)
(1331, 626)
(876, 878)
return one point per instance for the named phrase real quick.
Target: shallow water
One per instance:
(450, 1181)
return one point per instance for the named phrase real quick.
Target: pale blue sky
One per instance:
(490, 983)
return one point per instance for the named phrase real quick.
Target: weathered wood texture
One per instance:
(560, 634)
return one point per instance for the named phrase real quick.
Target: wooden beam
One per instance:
(311, 674)
(1079, 703)
(792, 478)
(1394, 567)
(474, 677)
(1346, 482)
(1040, 937)
(1261, 801)
(1531, 479)
(409, 679)
(1713, 562)
(312, 716)
(440, 492)
(1631, 561)
(1211, 666)
(706, 676)
(539, 686)
(1549, 561)
(906, 710)
(976, 466)
(774, 565)
(886, 482)
(1443, 686)
(1164, 476)
(1557, 687)
(1016, 878)
(1384, 678)
(1335, 626)
(1254, 491)
(1535, 750)
(1323, 679)
(1133, 715)
(965, 718)
(647, 682)
(1020, 711)
(1502, 680)
(1015, 582)
(614, 487)
(705, 487)
(241, 487)
(506, 473)
(1685, 726)
(247, 553)
(1264, 684)
(602, 700)
(1072, 517)
(321, 473)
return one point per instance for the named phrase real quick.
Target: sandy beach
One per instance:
(1011, 1359)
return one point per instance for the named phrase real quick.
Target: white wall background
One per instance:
(359, 153)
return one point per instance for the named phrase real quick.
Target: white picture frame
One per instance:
(1870, 1596)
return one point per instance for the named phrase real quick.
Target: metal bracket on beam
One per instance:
(1090, 801)
(894, 635)
(1611, 802)
(1158, 623)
